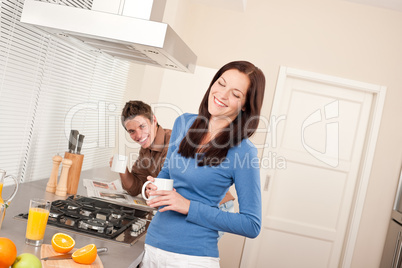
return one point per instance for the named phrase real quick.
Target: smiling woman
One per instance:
(202, 162)
(233, 103)
(227, 97)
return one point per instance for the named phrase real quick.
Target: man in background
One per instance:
(140, 122)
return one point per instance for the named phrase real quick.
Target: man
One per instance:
(140, 122)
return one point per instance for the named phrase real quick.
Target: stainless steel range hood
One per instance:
(126, 29)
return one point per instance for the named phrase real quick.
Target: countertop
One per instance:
(118, 255)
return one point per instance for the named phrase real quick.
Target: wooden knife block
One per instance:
(74, 172)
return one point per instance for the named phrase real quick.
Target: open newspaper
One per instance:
(111, 191)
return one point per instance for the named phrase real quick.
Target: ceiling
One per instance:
(389, 4)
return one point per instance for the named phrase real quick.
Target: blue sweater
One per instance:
(197, 233)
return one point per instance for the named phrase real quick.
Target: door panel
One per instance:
(314, 135)
(306, 251)
(308, 196)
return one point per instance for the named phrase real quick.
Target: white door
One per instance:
(315, 146)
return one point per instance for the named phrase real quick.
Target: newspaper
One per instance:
(111, 191)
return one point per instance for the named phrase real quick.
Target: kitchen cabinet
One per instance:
(118, 255)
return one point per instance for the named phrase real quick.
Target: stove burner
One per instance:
(69, 220)
(116, 215)
(72, 207)
(54, 214)
(96, 225)
(85, 212)
(66, 205)
(102, 214)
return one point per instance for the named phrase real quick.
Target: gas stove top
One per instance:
(98, 218)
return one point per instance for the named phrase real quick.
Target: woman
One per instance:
(208, 153)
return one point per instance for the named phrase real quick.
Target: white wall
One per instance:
(182, 93)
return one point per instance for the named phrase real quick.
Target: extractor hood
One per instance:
(129, 29)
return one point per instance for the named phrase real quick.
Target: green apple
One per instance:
(27, 260)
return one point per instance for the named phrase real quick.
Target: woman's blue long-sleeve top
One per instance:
(205, 186)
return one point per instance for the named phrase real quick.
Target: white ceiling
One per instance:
(390, 4)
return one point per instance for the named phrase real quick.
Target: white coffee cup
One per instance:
(161, 184)
(119, 163)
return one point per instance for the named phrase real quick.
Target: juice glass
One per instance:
(37, 220)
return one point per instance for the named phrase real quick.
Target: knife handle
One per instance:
(80, 141)
(72, 142)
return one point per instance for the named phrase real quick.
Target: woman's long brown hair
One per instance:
(244, 125)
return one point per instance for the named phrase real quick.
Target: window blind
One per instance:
(48, 87)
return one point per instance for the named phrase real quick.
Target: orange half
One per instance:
(85, 255)
(62, 243)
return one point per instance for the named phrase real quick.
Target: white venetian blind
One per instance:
(47, 88)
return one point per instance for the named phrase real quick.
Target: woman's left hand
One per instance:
(171, 200)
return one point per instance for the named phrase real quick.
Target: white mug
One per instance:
(161, 184)
(119, 163)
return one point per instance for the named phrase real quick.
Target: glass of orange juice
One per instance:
(37, 220)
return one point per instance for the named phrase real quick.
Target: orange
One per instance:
(62, 243)
(8, 252)
(85, 255)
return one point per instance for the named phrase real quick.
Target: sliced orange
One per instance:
(85, 255)
(62, 243)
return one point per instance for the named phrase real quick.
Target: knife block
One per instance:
(75, 172)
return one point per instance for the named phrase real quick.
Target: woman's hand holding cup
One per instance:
(160, 192)
(154, 184)
(148, 187)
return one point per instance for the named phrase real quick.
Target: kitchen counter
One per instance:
(118, 255)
